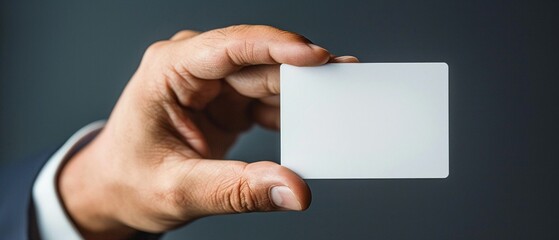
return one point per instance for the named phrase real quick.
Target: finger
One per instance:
(218, 53)
(184, 34)
(266, 115)
(233, 117)
(271, 100)
(223, 187)
(256, 81)
(263, 81)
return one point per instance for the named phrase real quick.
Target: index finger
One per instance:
(218, 53)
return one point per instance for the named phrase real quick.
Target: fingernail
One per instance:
(283, 197)
(316, 47)
(346, 59)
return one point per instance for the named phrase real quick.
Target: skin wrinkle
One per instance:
(222, 194)
(242, 58)
(235, 59)
(238, 199)
(249, 50)
(225, 195)
(246, 199)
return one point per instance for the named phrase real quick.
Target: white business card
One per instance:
(365, 120)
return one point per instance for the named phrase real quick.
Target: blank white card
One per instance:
(365, 120)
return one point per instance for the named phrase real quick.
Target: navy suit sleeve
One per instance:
(16, 209)
(17, 215)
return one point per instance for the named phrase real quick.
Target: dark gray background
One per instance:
(64, 64)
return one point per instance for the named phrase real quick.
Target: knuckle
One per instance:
(241, 51)
(243, 198)
(185, 34)
(240, 41)
(236, 44)
(155, 49)
(157, 46)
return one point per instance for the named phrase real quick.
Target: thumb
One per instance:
(224, 187)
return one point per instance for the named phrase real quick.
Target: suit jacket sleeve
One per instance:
(27, 187)
(16, 183)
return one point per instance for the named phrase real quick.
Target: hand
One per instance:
(153, 167)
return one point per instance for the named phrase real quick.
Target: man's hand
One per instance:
(153, 167)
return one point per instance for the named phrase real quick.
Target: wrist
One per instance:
(84, 187)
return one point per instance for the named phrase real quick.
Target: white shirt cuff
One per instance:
(52, 221)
